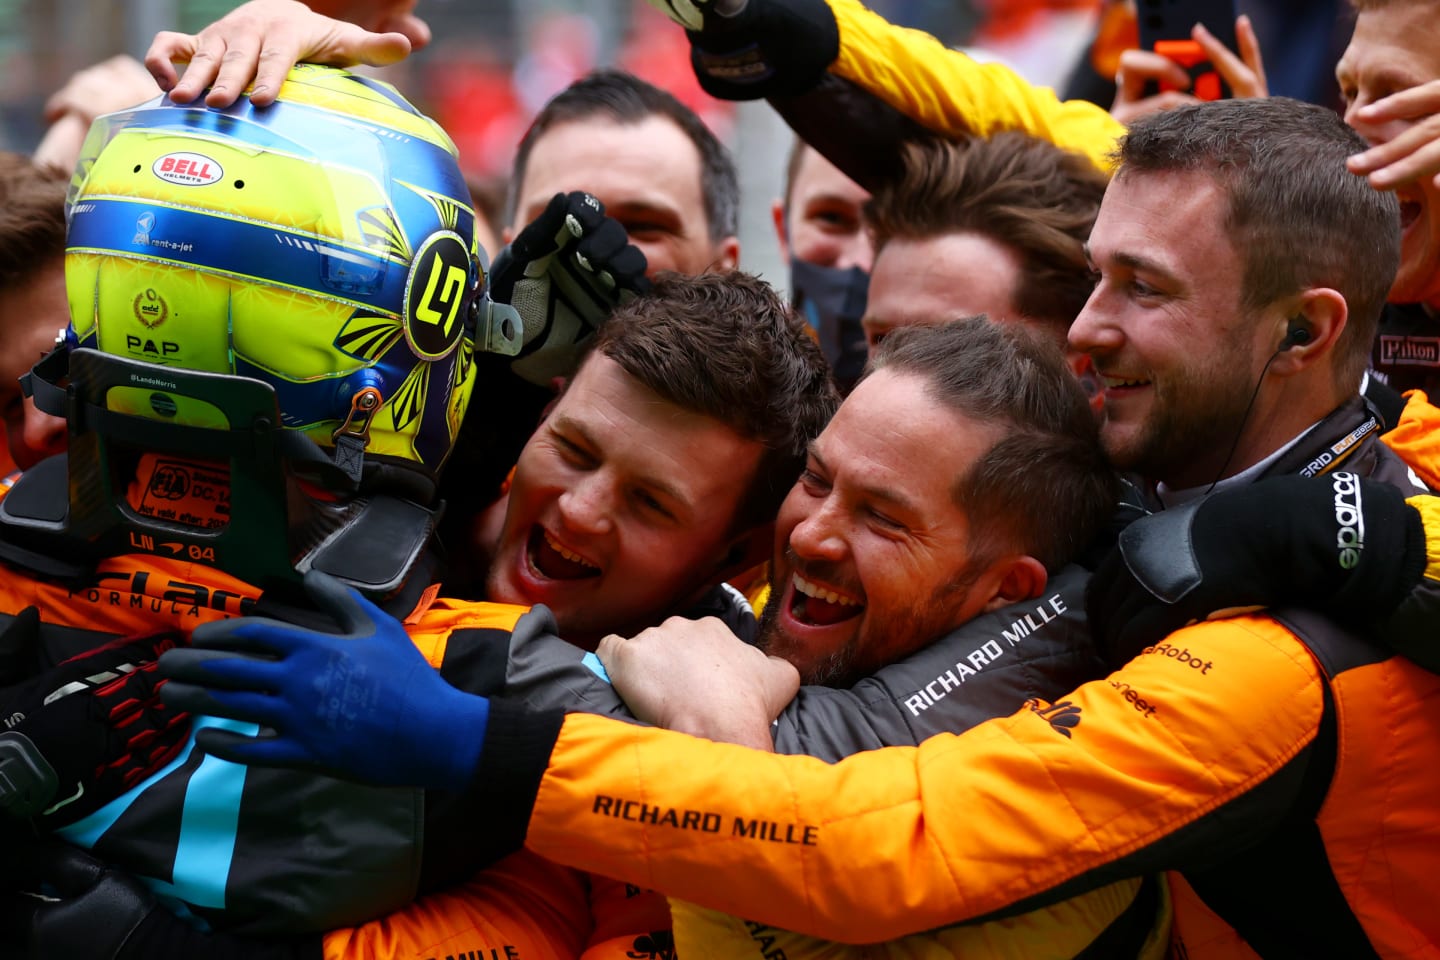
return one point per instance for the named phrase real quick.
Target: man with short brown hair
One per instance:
(32, 301)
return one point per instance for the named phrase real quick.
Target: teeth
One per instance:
(820, 593)
(1123, 382)
(567, 554)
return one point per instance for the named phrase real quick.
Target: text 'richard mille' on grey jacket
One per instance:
(988, 667)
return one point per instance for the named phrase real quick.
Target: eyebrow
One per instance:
(1134, 261)
(646, 208)
(871, 492)
(831, 196)
(1385, 76)
(658, 484)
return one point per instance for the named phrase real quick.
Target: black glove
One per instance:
(84, 732)
(562, 275)
(63, 902)
(1346, 547)
(766, 48)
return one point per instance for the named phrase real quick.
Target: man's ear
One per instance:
(729, 257)
(1322, 314)
(777, 213)
(1015, 579)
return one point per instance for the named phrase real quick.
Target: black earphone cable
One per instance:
(1240, 430)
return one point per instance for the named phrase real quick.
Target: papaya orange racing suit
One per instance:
(1283, 766)
(528, 907)
(305, 861)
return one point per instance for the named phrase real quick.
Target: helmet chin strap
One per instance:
(352, 436)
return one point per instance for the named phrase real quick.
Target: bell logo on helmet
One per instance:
(435, 291)
(187, 169)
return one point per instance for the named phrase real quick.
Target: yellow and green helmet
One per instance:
(324, 244)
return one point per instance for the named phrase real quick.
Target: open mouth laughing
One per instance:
(815, 605)
(1123, 383)
(551, 559)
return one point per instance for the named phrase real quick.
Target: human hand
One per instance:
(378, 16)
(1245, 74)
(104, 87)
(752, 49)
(362, 704)
(109, 85)
(697, 677)
(698, 14)
(1414, 153)
(82, 733)
(257, 43)
(1344, 546)
(562, 275)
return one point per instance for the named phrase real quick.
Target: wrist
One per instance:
(774, 48)
(466, 719)
(1392, 557)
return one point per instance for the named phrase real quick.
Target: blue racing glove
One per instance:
(362, 704)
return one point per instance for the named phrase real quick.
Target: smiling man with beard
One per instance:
(877, 547)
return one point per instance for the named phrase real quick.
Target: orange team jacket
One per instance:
(523, 907)
(1163, 767)
(1240, 753)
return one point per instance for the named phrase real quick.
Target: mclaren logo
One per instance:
(1062, 717)
(1349, 520)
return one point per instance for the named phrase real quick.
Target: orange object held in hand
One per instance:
(1204, 83)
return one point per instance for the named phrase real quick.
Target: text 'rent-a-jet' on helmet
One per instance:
(320, 250)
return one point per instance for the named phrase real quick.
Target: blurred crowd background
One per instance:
(494, 62)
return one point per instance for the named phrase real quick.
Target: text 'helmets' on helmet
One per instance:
(324, 244)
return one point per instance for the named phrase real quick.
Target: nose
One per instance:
(589, 505)
(1094, 331)
(858, 252)
(820, 534)
(41, 436)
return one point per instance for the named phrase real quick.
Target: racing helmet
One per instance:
(324, 245)
(297, 283)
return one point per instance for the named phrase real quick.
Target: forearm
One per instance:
(752, 732)
(887, 827)
(950, 94)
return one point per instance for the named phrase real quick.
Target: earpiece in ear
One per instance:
(1295, 336)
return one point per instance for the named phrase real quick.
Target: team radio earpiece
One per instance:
(1295, 336)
